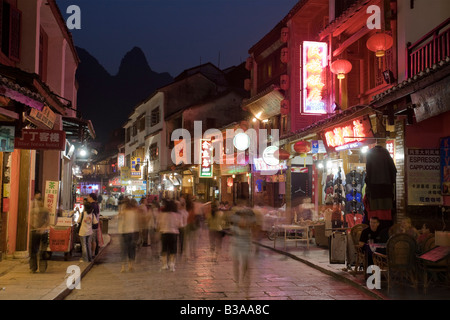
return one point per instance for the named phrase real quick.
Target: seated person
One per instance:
(374, 233)
(406, 227)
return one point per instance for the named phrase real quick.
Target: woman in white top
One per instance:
(86, 219)
(169, 223)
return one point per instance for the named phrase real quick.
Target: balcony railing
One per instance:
(425, 52)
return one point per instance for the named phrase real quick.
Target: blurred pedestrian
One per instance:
(39, 224)
(129, 230)
(169, 223)
(144, 222)
(92, 199)
(242, 224)
(215, 223)
(86, 220)
(193, 224)
(184, 216)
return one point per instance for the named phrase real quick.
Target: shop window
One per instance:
(10, 30)
(128, 134)
(155, 116)
(270, 70)
(153, 151)
(141, 122)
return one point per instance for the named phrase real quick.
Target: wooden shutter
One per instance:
(14, 36)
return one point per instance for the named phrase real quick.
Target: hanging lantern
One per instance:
(380, 43)
(229, 182)
(249, 63)
(302, 146)
(341, 67)
(282, 154)
(284, 34)
(284, 107)
(284, 82)
(284, 57)
(247, 84)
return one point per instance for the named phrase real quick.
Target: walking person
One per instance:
(146, 223)
(184, 216)
(92, 199)
(243, 222)
(38, 225)
(215, 224)
(169, 223)
(86, 220)
(129, 230)
(193, 224)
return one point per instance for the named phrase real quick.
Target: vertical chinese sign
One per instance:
(445, 166)
(206, 166)
(314, 77)
(51, 199)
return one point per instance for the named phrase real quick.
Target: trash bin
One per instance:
(104, 224)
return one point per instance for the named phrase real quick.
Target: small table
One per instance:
(295, 228)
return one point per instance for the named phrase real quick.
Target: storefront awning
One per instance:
(16, 92)
(346, 115)
(79, 129)
(265, 104)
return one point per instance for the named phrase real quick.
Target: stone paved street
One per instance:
(273, 276)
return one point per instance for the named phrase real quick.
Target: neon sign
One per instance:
(314, 63)
(350, 135)
(206, 167)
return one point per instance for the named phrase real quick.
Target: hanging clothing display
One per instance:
(380, 180)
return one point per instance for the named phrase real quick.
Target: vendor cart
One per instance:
(61, 238)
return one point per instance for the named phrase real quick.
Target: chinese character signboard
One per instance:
(349, 135)
(136, 167)
(423, 176)
(206, 166)
(36, 139)
(51, 199)
(46, 116)
(445, 166)
(390, 147)
(121, 160)
(314, 77)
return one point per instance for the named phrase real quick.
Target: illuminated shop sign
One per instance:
(314, 76)
(121, 160)
(136, 167)
(350, 135)
(206, 167)
(260, 165)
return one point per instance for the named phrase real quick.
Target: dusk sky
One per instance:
(174, 34)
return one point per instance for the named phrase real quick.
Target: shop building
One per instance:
(38, 101)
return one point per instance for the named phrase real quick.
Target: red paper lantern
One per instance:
(249, 63)
(284, 57)
(341, 67)
(282, 154)
(284, 106)
(247, 84)
(284, 82)
(284, 34)
(302, 146)
(379, 43)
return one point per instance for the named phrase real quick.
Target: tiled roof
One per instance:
(414, 79)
